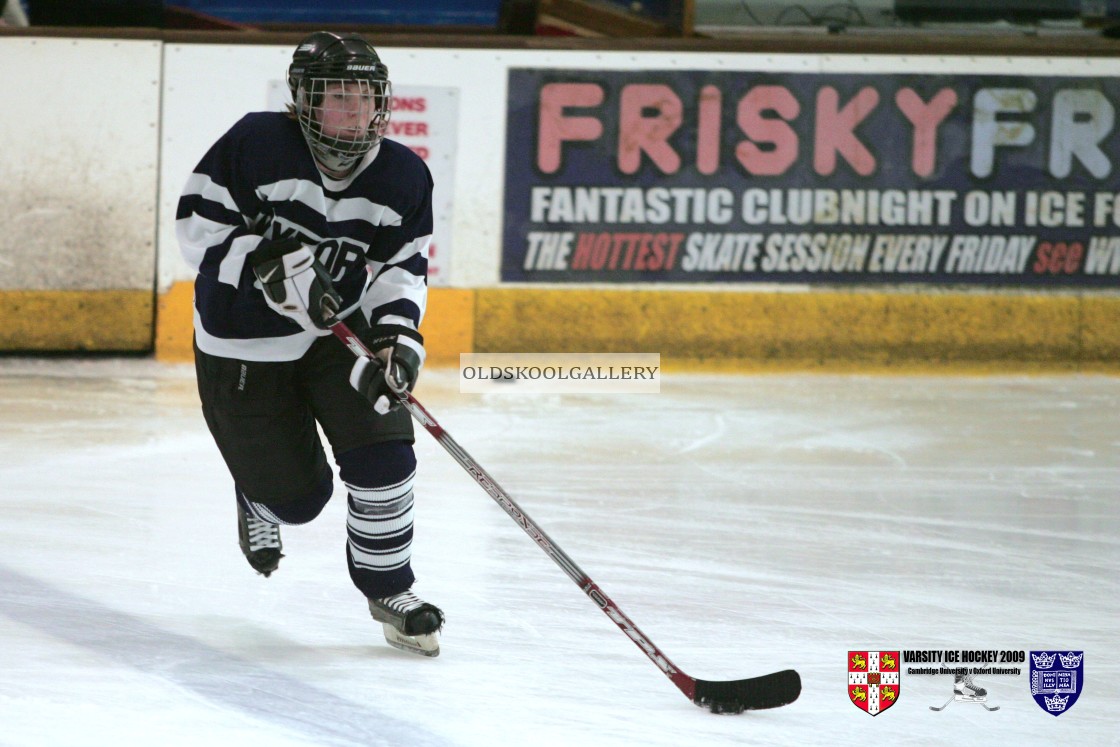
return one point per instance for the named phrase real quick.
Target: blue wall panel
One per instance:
(387, 12)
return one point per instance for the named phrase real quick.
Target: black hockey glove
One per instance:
(394, 346)
(295, 284)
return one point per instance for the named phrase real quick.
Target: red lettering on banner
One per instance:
(707, 130)
(646, 252)
(591, 251)
(926, 118)
(773, 130)
(1059, 257)
(408, 104)
(650, 115)
(555, 128)
(640, 132)
(408, 129)
(835, 131)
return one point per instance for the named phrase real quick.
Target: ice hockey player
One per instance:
(291, 220)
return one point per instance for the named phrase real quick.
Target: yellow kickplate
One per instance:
(76, 321)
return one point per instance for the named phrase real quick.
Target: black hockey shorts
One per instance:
(263, 414)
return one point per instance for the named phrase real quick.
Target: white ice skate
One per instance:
(967, 691)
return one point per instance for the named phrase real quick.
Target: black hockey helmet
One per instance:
(352, 69)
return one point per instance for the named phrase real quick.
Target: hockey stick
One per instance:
(955, 699)
(942, 708)
(734, 696)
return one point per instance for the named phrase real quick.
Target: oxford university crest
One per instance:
(1057, 679)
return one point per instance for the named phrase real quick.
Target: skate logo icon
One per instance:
(1056, 679)
(873, 680)
(966, 691)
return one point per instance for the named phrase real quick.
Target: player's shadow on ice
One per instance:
(264, 645)
(227, 680)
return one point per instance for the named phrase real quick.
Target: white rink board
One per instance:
(208, 87)
(104, 208)
(78, 161)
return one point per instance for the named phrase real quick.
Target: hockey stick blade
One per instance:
(753, 694)
(736, 696)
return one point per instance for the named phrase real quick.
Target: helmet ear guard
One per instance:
(350, 70)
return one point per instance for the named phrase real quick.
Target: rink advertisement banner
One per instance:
(700, 176)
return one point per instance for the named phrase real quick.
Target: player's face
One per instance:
(347, 110)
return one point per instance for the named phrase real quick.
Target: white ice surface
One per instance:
(746, 524)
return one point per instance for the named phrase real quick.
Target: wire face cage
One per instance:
(342, 118)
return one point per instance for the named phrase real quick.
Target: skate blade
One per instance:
(424, 645)
(970, 699)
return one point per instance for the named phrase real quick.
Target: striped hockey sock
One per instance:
(379, 518)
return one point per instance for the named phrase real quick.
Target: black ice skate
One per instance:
(410, 624)
(260, 541)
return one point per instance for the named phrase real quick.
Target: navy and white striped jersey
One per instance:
(370, 230)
